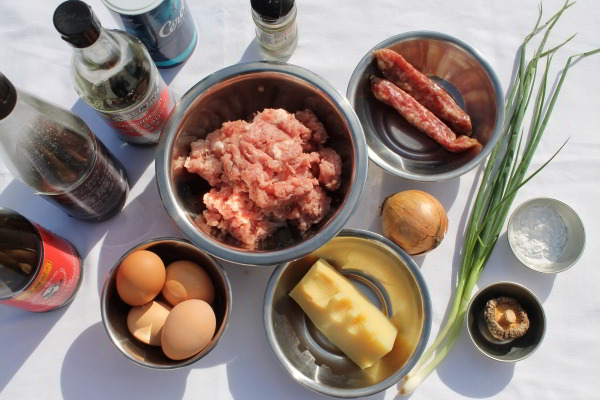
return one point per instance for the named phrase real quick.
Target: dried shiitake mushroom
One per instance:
(505, 318)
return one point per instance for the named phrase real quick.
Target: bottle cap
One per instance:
(272, 10)
(8, 97)
(77, 23)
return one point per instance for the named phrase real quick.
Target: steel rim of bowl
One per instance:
(213, 247)
(191, 360)
(516, 253)
(386, 383)
(463, 169)
(539, 303)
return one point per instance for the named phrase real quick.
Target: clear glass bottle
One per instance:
(54, 152)
(112, 72)
(276, 29)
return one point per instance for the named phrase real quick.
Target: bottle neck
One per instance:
(266, 22)
(104, 53)
(8, 97)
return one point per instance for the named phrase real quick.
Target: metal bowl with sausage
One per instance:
(404, 136)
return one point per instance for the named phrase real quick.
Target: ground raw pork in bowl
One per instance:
(261, 163)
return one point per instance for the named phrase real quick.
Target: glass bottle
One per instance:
(39, 270)
(54, 152)
(114, 74)
(276, 29)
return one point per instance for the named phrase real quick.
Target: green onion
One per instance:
(501, 180)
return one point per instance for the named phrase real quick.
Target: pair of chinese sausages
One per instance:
(422, 102)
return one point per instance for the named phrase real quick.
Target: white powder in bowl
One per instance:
(540, 234)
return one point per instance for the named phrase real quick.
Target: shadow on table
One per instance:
(142, 219)
(471, 374)
(135, 159)
(252, 370)
(21, 333)
(462, 225)
(503, 265)
(386, 184)
(252, 53)
(94, 369)
(168, 74)
(460, 236)
(83, 235)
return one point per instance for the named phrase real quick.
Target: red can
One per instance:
(39, 270)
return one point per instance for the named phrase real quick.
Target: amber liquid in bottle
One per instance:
(54, 152)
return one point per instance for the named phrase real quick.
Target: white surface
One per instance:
(66, 354)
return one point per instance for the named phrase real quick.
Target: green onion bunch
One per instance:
(504, 174)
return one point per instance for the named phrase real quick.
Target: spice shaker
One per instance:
(39, 270)
(114, 74)
(276, 29)
(54, 152)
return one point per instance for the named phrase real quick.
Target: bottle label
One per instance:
(278, 40)
(145, 121)
(57, 278)
(103, 191)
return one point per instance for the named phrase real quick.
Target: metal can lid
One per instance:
(132, 7)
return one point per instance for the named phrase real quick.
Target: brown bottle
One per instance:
(54, 152)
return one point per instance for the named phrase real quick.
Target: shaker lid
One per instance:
(272, 10)
(77, 23)
(8, 97)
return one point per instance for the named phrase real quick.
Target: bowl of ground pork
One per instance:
(261, 163)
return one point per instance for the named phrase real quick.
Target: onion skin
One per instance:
(414, 220)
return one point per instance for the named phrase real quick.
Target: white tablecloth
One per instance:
(66, 353)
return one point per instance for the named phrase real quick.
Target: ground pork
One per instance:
(265, 173)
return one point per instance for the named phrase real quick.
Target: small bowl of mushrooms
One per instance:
(506, 321)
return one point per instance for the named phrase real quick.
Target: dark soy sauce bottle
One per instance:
(54, 152)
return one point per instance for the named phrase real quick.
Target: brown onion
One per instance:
(414, 220)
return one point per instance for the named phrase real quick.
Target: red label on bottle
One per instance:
(56, 280)
(147, 119)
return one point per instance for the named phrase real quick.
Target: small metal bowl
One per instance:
(401, 149)
(575, 236)
(388, 277)
(114, 310)
(516, 349)
(237, 92)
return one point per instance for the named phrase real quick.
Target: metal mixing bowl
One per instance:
(512, 350)
(395, 285)
(114, 310)
(575, 236)
(237, 92)
(401, 149)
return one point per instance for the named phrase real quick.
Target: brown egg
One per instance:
(187, 280)
(140, 277)
(189, 327)
(145, 322)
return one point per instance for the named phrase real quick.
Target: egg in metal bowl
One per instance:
(115, 312)
(237, 93)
